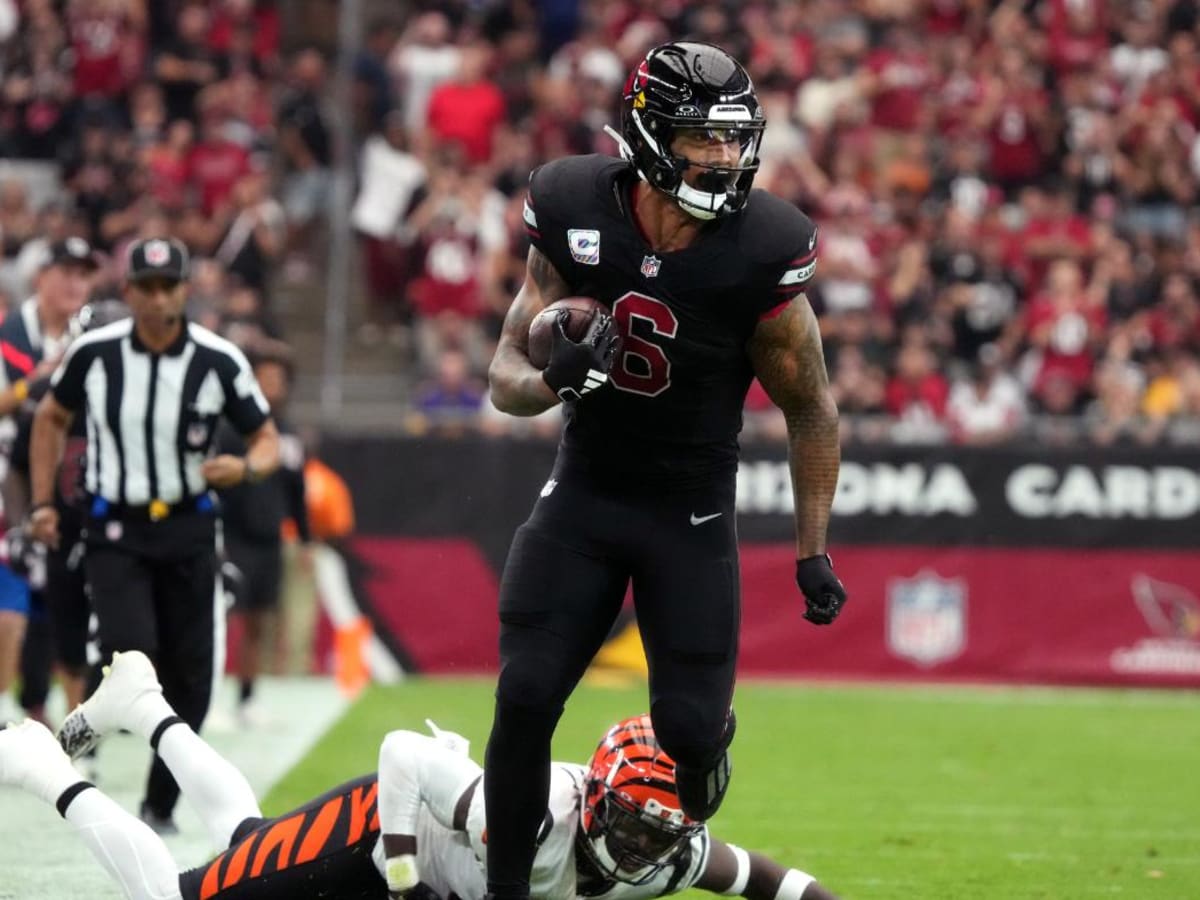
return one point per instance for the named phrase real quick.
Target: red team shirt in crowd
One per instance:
(467, 115)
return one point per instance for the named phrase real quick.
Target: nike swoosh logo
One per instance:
(700, 520)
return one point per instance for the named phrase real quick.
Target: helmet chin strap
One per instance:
(622, 144)
(698, 204)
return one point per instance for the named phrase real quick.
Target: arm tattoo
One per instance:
(517, 387)
(788, 359)
(545, 276)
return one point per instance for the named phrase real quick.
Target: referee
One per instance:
(154, 388)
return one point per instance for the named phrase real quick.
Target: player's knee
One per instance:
(694, 734)
(532, 682)
(523, 722)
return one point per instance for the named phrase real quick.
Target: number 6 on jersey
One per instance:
(643, 367)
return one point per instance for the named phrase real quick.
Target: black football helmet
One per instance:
(689, 85)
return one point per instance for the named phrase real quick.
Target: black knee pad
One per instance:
(702, 790)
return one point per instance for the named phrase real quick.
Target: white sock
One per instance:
(213, 786)
(53, 776)
(129, 851)
(147, 712)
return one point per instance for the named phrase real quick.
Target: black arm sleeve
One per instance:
(66, 384)
(295, 501)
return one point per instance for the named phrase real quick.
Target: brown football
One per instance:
(541, 329)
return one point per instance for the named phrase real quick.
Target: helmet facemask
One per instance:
(632, 843)
(631, 822)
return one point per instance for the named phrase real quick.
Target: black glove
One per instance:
(576, 369)
(823, 592)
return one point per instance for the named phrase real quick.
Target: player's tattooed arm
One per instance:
(517, 387)
(788, 359)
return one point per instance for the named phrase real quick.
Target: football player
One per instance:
(415, 829)
(704, 281)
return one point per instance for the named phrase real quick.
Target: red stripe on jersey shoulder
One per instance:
(19, 360)
(801, 260)
(777, 310)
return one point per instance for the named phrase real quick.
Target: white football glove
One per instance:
(449, 739)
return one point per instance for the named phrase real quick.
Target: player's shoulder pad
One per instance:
(776, 235)
(565, 186)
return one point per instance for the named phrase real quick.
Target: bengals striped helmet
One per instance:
(632, 822)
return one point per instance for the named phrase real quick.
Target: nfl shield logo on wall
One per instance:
(927, 618)
(650, 265)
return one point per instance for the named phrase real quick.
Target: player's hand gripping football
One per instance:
(823, 593)
(578, 368)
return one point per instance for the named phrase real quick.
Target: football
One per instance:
(541, 329)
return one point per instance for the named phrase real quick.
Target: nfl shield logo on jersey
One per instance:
(650, 266)
(197, 435)
(927, 618)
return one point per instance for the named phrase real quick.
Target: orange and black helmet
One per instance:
(632, 822)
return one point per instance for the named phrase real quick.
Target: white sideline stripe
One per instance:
(42, 859)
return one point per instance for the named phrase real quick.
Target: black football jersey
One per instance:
(673, 409)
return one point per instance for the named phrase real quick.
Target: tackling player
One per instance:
(704, 279)
(612, 830)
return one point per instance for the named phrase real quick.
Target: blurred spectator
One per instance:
(107, 43)
(307, 154)
(390, 177)
(215, 162)
(1113, 416)
(188, 64)
(1065, 324)
(244, 320)
(467, 110)
(987, 406)
(251, 230)
(374, 95)
(449, 402)
(207, 293)
(168, 164)
(916, 395)
(246, 25)
(18, 223)
(423, 59)
(458, 225)
(37, 93)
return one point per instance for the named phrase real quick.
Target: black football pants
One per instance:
(156, 595)
(563, 585)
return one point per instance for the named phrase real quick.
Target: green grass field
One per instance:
(906, 792)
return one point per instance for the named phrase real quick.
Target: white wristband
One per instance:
(793, 885)
(743, 872)
(402, 874)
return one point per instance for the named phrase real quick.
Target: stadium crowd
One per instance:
(1004, 192)
(1004, 189)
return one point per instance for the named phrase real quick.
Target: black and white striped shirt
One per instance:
(151, 417)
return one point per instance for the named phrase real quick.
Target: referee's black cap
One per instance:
(161, 258)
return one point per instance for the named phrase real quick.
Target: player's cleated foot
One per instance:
(163, 826)
(130, 677)
(27, 752)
